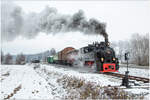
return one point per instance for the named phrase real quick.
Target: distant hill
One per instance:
(29, 57)
(39, 56)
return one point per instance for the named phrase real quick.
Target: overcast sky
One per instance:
(122, 19)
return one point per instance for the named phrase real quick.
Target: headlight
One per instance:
(114, 59)
(102, 59)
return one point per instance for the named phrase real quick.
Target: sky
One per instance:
(122, 18)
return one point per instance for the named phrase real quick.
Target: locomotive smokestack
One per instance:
(105, 36)
(106, 39)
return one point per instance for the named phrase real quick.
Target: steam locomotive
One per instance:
(100, 55)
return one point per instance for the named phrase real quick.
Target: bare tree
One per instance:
(138, 46)
(140, 49)
(8, 59)
(123, 46)
(20, 59)
(121, 49)
(114, 45)
(52, 51)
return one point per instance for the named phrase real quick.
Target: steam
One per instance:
(16, 23)
(11, 21)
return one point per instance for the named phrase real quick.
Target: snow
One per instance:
(147, 97)
(138, 91)
(29, 81)
(100, 79)
(41, 82)
(135, 71)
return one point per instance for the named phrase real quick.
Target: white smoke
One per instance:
(11, 21)
(16, 23)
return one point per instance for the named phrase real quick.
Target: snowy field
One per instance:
(135, 72)
(134, 66)
(49, 82)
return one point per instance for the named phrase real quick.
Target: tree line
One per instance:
(138, 46)
(8, 59)
(22, 59)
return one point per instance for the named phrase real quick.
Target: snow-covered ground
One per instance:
(50, 82)
(134, 66)
(135, 72)
(32, 86)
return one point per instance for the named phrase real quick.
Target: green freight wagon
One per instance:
(50, 59)
(56, 58)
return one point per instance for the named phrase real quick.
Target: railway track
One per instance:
(145, 80)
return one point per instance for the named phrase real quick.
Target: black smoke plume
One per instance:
(16, 23)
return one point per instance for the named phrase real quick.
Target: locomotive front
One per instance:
(105, 58)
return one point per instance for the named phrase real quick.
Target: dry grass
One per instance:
(78, 88)
(3, 76)
(6, 74)
(14, 92)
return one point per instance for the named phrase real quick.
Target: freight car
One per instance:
(50, 59)
(72, 57)
(35, 61)
(61, 57)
